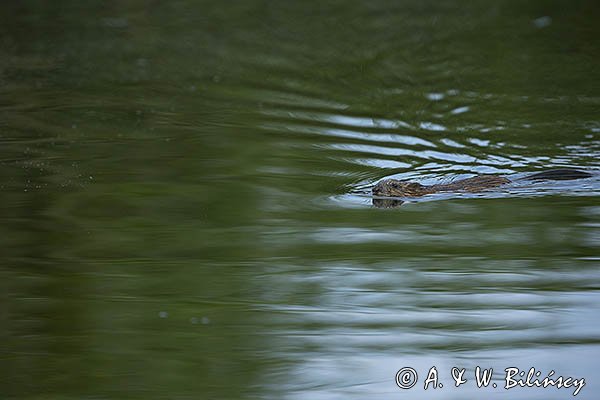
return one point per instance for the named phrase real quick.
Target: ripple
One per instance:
(435, 96)
(391, 304)
(430, 126)
(479, 142)
(339, 119)
(395, 151)
(361, 122)
(452, 143)
(460, 110)
(379, 163)
(336, 132)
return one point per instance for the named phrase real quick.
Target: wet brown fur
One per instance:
(397, 188)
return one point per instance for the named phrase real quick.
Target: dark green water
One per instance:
(182, 215)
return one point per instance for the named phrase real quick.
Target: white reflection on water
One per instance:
(460, 110)
(435, 96)
(379, 163)
(479, 142)
(337, 374)
(336, 132)
(377, 318)
(423, 154)
(340, 119)
(362, 122)
(452, 143)
(430, 126)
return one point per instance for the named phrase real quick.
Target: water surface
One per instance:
(184, 212)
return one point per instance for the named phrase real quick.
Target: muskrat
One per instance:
(398, 188)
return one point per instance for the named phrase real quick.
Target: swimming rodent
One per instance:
(398, 188)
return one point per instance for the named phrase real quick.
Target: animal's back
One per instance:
(558, 175)
(397, 188)
(474, 184)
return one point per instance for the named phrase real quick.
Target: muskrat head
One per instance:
(396, 188)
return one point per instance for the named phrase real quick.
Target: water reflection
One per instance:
(387, 203)
(186, 208)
